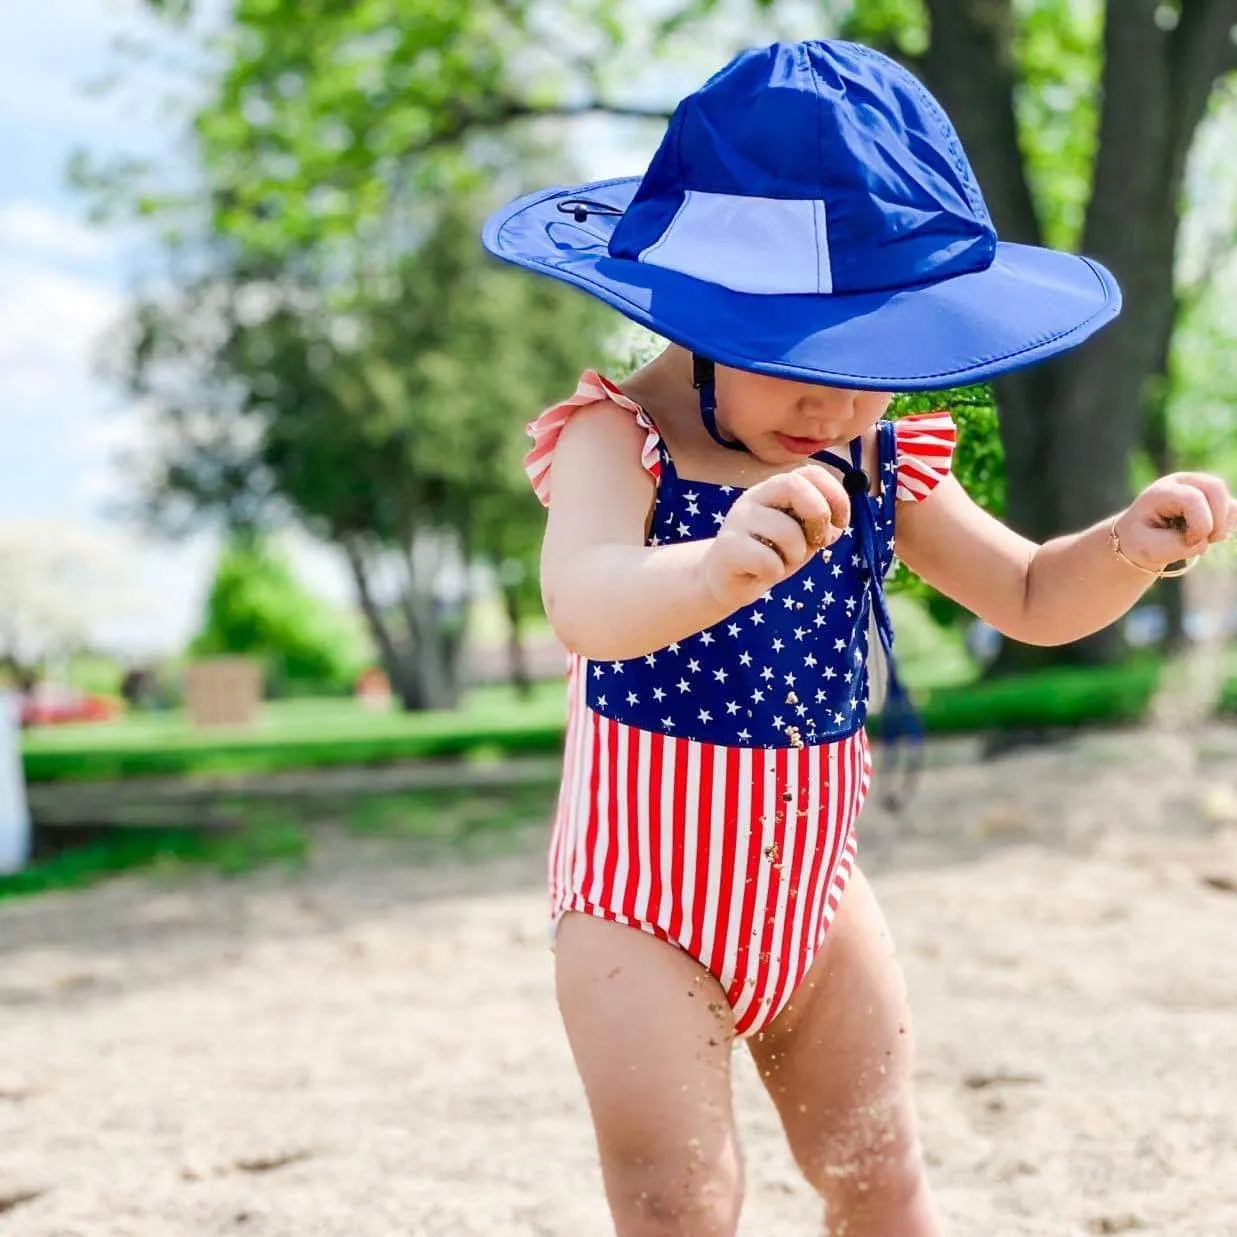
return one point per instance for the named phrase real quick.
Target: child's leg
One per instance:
(651, 1034)
(837, 1063)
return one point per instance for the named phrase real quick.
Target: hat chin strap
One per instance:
(704, 380)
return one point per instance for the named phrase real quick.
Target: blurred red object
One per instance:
(373, 688)
(55, 706)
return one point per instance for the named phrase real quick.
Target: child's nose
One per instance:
(821, 412)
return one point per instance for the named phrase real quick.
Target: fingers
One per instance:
(813, 497)
(1221, 508)
(813, 482)
(788, 517)
(782, 532)
(755, 560)
(1188, 500)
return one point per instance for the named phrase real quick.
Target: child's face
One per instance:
(781, 422)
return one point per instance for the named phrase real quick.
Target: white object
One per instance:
(14, 814)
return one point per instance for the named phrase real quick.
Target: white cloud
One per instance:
(61, 286)
(52, 52)
(50, 324)
(27, 226)
(49, 52)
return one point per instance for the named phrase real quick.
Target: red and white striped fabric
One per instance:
(926, 442)
(737, 855)
(593, 388)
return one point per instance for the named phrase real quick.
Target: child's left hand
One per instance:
(1177, 517)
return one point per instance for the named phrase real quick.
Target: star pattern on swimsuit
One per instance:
(794, 658)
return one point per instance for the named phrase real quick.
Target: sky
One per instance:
(64, 282)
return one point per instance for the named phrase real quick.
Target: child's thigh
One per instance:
(651, 1034)
(838, 1060)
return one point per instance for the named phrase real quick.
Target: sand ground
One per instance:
(370, 1047)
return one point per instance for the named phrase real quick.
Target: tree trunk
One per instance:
(517, 653)
(402, 670)
(25, 676)
(1157, 442)
(1069, 428)
(434, 646)
(432, 649)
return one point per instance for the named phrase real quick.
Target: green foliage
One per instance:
(388, 412)
(1059, 54)
(343, 351)
(1203, 385)
(896, 26)
(329, 118)
(163, 853)
(930, 655)
(979, 465)
(1201, 388)
(257, 607)
(333, 137)
(1066, 697)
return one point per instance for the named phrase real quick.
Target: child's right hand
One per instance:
(772, 531)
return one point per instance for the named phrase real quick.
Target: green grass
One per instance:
(297, 734)
(165, 852)
(1066, 697)
(456, 821)
(494, 722)
(292, 734)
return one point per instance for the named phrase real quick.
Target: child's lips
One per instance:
(802, 446)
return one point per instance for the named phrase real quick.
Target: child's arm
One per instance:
(1073, 585)
(608, 596)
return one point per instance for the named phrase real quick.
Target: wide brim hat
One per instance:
(810, 214)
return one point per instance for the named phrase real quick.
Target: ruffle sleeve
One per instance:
(593, 388)
(925, 443)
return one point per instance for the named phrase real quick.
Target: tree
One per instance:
(1079, 118)
(59, 583)
(257, 607)
(1189, 420)
(386, 417)
(1080, 420)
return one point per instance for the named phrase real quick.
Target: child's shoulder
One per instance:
(602, 419)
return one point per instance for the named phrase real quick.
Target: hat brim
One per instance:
(1030, 304)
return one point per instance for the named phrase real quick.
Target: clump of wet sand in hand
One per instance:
(815, 531)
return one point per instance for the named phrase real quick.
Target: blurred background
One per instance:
(281, 714)
(263, 394)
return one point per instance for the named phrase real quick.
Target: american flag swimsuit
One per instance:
(710, 789)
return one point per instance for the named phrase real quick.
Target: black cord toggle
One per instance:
(855, 482)
(581, 208)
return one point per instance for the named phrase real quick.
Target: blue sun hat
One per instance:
(810, 214)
